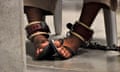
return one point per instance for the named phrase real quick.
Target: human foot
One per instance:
(69, 47)
(79, 33)
(38, 35)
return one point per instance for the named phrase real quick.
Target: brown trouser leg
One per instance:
(34, 14)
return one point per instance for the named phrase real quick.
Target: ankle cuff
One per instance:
(77, 35)
(82, 31)
(81, 23)
(37, 33)
(36, 27)
(34, 22)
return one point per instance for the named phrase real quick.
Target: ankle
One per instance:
(76, 38)
(40, 37)
(37, 28)
(72, 42)
(82, 31)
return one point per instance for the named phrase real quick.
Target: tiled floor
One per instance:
(87, 60)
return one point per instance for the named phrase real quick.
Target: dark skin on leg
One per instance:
(36, 14)
(88, 15)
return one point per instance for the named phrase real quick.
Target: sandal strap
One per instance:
(59, 54)
(70, 50)
(37, 27)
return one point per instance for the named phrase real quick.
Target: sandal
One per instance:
(58, 54)
(79, 30)
(37, 32)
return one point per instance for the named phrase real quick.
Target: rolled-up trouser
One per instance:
(47, 5)
(112, 4)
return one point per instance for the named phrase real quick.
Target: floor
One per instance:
(86, 60)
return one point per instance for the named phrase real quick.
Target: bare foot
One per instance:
(40, 42)
(72, 42)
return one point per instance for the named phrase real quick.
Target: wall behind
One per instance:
(12, 50)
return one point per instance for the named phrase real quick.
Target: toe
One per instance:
(64, 52)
